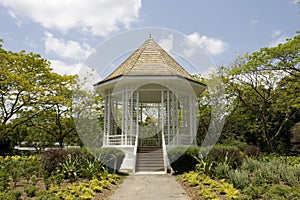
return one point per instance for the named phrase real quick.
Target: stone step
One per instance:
(149, 159)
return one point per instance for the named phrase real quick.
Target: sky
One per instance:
(66, 32)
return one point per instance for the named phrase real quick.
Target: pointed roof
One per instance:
(150, 59)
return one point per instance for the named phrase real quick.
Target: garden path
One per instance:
(150, 187)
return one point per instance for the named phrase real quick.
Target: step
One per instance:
(149, 159)
(148, 150)
(149, 169)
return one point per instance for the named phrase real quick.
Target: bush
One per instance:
(30, 191)
(183, 159)
(51, 159)
(252, 150)
(11, 195)
(230, 154)
(282, 192)
(4, 180)
(106, 156)
(235, 143)
(239, 178)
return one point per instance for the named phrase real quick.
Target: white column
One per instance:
(105, 121)
(168, 115)
(126, 116)
(162, 114)
(137, 113)
(108, 119)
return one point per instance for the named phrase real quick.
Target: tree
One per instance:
(56, 116)
(24, 81)
(284, 57)
(268, 97)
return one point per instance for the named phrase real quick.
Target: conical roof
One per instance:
(150, 59)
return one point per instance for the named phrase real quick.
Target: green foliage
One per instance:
(254, 192)
(31, 191)
(70, 169)
(239, 178)
(107, 156)
(4, 178)
(11, 195)
(51, 158)
(282, 192)
(183, 159)
(205, 167)
(263, 88)
(209, 188)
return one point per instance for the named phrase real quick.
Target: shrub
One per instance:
(51, 159)
(278, 192)
(239, 178)
(106, 156)
(235, 143)
(30, 191)
(11, 195)
(254, 192)
(183, 159)
(4, 180)
(221, 152)
(252, 150)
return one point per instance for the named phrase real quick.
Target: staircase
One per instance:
(149, 159)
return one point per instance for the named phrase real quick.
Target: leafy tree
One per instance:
(284, 57)
(24, 81)
(55, 117)
(266, 99)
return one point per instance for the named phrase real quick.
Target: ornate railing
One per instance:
(149, 142)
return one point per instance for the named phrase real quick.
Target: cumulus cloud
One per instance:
(276, 33)
(277, 41)
(278, 38)
(166, 43)
(30, 42)
(63, 68)
(294, 1)
(93, 16)
(254, 22)
(66, 49)
(214, 46)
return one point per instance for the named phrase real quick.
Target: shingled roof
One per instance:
(150, 59)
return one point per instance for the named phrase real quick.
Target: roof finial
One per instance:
(150, 36)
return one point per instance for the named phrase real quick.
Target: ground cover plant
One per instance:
(56, 174)
(263, 177)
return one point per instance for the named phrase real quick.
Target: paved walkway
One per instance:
(150, 187)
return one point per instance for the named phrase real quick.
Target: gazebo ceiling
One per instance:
(149, 60)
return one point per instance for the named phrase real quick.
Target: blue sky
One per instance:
(66, 31)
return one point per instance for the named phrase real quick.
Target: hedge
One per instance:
(182, 159)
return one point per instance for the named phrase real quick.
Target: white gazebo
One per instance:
(150, 104)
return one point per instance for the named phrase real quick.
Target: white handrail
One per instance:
(165, 154)
(135, 152)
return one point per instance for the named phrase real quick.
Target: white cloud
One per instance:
(30, 42)
(66, 49)
(279, 40)
(63, 68)
(214, 46)
(276, 33)
(166, 43)
(254, 22)
(93, 16)
(18, 21)
(294, 1)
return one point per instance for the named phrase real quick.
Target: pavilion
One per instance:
(150, 105)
